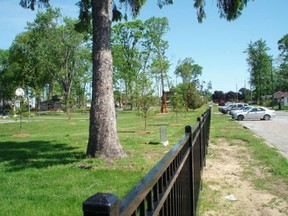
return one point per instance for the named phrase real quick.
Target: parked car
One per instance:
(225, 108)
(230, 107)
(241, 109)
(238, 106)
(221, 102)
(255, 113)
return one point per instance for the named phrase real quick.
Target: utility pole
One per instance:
(236, 93)
(272, 84)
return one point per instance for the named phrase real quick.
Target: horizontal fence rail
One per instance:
(171, 188)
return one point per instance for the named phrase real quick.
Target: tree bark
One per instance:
(163, 103)
(103, 139)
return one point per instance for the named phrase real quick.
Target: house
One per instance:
(282, 97)
(54, 104)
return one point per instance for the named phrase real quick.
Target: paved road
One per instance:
(275, 131)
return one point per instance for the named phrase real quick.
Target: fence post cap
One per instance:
(104, 203)
(188, 129)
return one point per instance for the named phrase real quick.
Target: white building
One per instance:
(282, 97)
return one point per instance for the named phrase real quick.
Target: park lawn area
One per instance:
(43, 169)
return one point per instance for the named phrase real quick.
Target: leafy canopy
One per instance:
(228, 9)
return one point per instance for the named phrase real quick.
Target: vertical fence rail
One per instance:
(171, 188)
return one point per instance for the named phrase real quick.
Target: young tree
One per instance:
(192, 97)
(177, 100)
(103, 139)
(146, 97)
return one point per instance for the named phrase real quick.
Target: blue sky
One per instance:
(216, 45)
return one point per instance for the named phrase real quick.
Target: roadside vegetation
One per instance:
(242, 165)
(43, 170)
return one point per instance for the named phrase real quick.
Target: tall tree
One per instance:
(244, 95)
(188, 71)
(7, 84)
(156, 29)
(69, 50)
(50, 50)
(126, 50)
(25, 62)
(231, 96)
(259, 63)
(282, 75)
(218, 95)
(103, 139)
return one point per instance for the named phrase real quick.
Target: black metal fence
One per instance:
(171, 188)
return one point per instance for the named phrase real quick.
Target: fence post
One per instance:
(200, 120)
(188, 131)
(101, 204)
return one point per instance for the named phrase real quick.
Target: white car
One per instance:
(255, 113)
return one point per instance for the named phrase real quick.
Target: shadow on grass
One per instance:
(17, 156)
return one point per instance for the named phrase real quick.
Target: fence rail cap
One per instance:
(101, 202)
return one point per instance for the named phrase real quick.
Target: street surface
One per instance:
(274, 131)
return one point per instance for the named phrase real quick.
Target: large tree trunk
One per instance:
(103, 139)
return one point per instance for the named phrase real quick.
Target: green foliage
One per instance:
(85, 16)
(177, 100)
(31, 3)
(51, 51)
(7, 83)
(228, 9)
(102, 39)
(244, 95)
(138, 48)
(231, 10)
(191, 97)
(282, 73)
(146, 97)
(188, 71)
(259, 63)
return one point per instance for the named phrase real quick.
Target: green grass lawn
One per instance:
(39, 169)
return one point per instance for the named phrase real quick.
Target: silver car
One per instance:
(234, 113)
(255, 113)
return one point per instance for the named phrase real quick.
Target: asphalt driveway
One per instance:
(274, 131)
